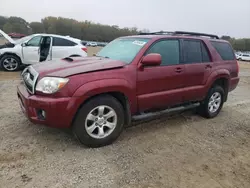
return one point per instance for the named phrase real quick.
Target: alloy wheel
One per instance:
(101, 122)
(10, 64)
(214, 102)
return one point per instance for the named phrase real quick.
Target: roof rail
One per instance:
(158, 33)
(180, 33)
(195, 34)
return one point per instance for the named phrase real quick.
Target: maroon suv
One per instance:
(97, 96)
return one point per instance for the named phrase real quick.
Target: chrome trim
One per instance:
(27, 80)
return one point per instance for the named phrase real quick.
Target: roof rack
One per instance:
(158, 33)
(195, 34)
(181, 33)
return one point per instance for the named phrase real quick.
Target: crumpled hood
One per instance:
(7, 37)
(75, 65)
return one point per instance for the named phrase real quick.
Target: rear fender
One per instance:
(222, 73)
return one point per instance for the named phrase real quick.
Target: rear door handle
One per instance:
(208, 66)
(178, 70)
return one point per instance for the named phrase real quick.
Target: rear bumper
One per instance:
(233, 83)
(59, 111)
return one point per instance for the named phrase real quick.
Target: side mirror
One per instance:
(24, 44)
(152, 59)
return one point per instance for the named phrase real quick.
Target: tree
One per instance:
(86, 30)
(3, 21)
(224, 37)
(37, 27)
(18, 24)
(8, 28)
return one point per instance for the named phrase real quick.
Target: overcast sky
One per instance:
(222, 17)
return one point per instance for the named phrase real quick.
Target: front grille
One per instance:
(29, 76)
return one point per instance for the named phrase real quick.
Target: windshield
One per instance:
(123, 49)
(24, 39)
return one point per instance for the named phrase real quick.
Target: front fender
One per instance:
(97, 87)
(14, 51)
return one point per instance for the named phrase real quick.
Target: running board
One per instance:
(166, 111)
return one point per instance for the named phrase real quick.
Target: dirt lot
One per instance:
(180, 151)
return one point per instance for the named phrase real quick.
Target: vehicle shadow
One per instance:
(150, 125)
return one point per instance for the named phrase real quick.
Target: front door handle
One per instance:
(178, 70)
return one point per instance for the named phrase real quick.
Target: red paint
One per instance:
(16, 35)
(85, 49)
(151, 60)
(145, 87)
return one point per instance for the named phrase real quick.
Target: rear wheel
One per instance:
(213, 103)
(10, 63)
(99, 122)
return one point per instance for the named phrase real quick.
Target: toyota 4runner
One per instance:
(133, 75)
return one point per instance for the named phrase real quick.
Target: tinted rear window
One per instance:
(224, 49)
(192, 51)
(62, 42)
(195, 51)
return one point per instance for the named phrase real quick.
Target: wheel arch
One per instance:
(222, 81)
(118, 88)
(11, 53)
(119, 96)
(75, 55)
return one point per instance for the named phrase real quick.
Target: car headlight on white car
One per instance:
(51, 85)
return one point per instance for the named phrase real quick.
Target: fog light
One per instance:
(41, 114)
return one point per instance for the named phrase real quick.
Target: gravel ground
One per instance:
(183, 150)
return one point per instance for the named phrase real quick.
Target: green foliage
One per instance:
(239, 44)
(3, 21)
(37, 27)
(16, 24)
(85, 30)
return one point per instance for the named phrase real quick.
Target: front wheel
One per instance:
(213, 103)
(10, 63)
(99, 122)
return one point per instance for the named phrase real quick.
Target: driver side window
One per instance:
(35, 41)
(169, 51)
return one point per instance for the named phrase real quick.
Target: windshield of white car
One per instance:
(24, 39)
(123, 49)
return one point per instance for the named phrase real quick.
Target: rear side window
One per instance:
(192, 51)
(169, 51)
(195, 51)
(205, 55)
(224, 49)
(62, 42)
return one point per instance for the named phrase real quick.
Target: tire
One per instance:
(205, 108)
(10, 63)
(240, 59)
(87, 128)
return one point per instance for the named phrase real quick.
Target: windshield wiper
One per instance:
(102, 56)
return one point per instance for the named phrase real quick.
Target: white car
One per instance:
(243, 57)
(37, 48)
(93, 44)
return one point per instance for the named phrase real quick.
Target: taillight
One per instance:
(85, 49)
